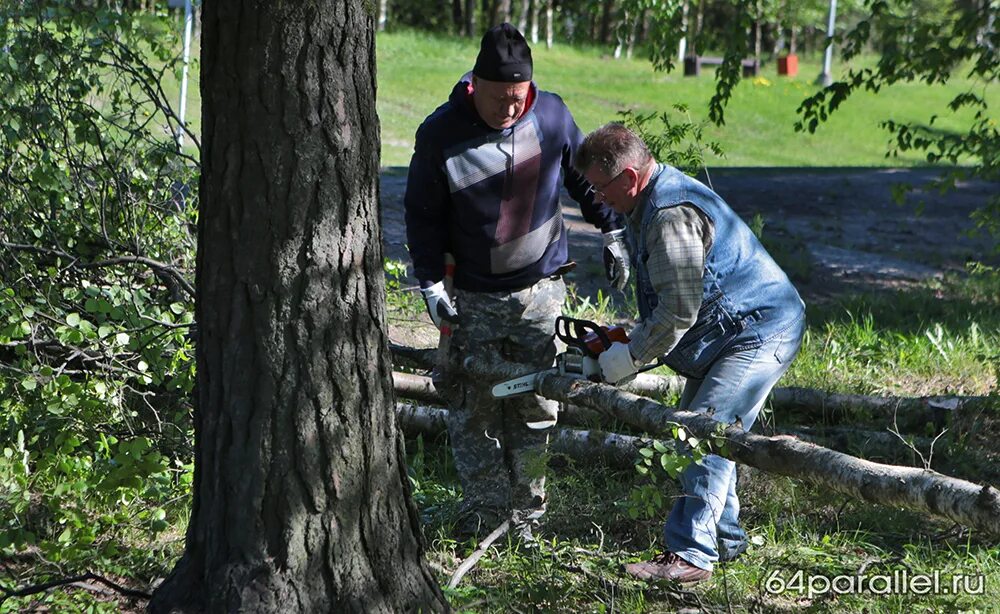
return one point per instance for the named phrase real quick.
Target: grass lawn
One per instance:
(416, 72)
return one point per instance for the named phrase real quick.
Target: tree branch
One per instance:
(34, 589)
(160, 267)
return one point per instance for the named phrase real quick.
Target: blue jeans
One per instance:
(705, 518)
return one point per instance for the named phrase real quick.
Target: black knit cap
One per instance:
(504, 56)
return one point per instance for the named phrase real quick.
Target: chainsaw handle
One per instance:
(575, 332)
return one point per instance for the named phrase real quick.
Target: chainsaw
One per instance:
(585, 341)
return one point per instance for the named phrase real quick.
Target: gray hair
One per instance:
(611, 148)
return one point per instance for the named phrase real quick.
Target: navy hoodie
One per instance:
(491, 197)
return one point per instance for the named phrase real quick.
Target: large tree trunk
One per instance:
(301, 495)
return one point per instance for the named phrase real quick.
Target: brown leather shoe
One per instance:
(670, 567)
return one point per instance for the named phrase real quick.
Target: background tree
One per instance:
(300, 493)
(96, 252)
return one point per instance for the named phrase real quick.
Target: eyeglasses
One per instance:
(599, 191)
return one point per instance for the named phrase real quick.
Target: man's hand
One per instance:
(616, 258)
(439, 305)
(617, 364)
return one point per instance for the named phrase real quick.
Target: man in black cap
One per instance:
(483, 188)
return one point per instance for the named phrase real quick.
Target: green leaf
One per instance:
(177, 308)
(91, 305)
(122, 338)
(29, 383)
(73, 319)
(65, 536)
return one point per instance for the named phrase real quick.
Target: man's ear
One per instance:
(633, 176)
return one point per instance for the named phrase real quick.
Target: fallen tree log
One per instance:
(922, 490)
(645, 384)
(912, 414)
(421, 388)
(620, 451)
(884, 445)
(416, 387)
(870, 442)
(909, 414)
(585, 446)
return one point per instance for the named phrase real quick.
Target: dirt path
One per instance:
(841, 227)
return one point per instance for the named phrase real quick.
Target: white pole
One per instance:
(188, 21)
(825, 79)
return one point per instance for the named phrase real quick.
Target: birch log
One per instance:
(909, 414)
(585, 446)
(922, 490)
(867, 442)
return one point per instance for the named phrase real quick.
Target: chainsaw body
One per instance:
(584, 340)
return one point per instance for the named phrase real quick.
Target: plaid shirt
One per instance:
(677, 240)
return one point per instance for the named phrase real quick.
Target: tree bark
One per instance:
(301, 499)
(922, 490)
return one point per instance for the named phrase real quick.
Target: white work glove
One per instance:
(616, 258)
(617, 364)
(439, 305)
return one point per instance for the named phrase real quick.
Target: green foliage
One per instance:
(679, 143)
(660, 461)
(402, 300)
(96, 306)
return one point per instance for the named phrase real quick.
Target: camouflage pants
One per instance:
(500, 461)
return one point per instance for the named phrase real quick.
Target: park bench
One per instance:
(693, 64)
